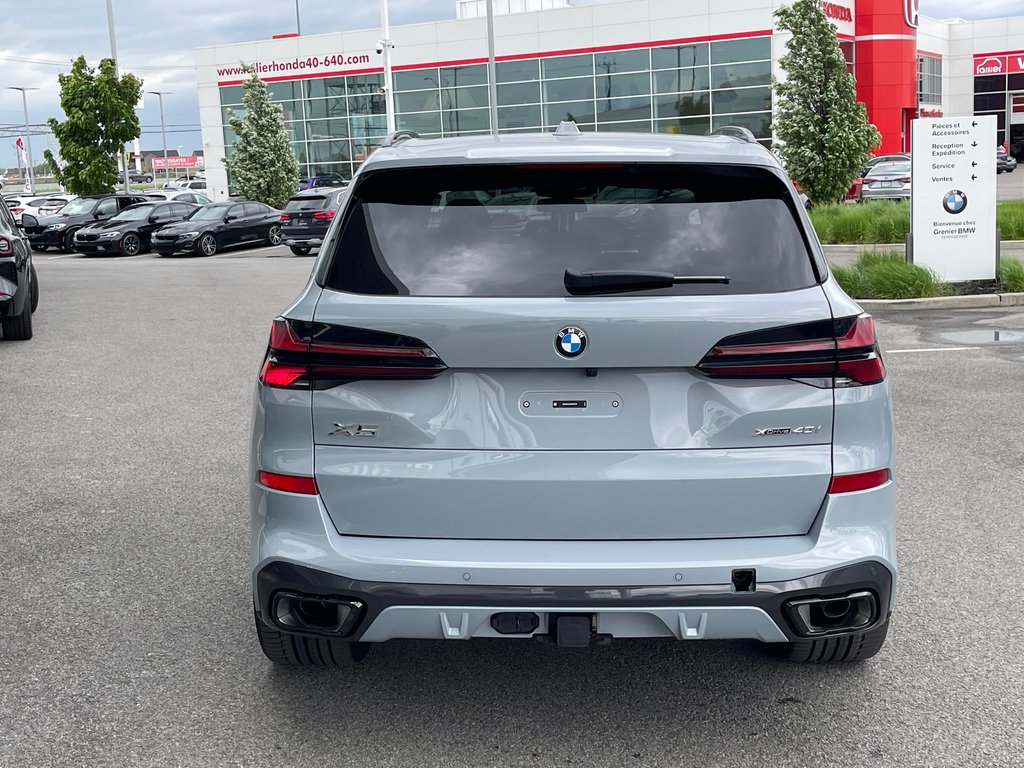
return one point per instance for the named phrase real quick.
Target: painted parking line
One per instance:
(929, 349)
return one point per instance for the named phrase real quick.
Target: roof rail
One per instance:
(735, 132)
(398, 137)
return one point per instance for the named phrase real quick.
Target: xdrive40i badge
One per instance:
(786, 431)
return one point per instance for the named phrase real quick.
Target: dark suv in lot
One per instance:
(19, 291)
(58, 230)
(307, 216)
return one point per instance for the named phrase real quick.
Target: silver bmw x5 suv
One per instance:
(574, 387)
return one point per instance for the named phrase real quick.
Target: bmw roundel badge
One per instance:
(571, 341)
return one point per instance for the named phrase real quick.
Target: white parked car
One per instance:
(36, 205)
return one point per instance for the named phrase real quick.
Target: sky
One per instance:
(156, 38)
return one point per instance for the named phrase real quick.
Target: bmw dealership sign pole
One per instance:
(953, 198)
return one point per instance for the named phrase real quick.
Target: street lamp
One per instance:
(113, 55)
(163, 132)
(298, 24)
(30, 171)
(384, 46)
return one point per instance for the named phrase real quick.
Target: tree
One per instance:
(100, 119)
(824, 134)
(262, 164)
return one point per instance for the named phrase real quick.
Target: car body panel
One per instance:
(16, 271)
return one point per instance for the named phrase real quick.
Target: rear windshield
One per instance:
(304, 203)
(512, 231)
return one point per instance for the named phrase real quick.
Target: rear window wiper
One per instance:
(621, 281)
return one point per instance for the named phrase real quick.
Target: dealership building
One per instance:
(674, 66)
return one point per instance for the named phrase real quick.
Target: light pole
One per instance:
(384, 46)
(163, 131)
(30, 170)
(492, 86)
(298, 24)
(113, 55)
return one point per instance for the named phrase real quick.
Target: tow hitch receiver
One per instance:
(573, 630)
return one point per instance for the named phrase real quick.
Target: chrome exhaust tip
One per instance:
(816, 616)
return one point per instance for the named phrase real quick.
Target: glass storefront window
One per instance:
(989, 101)
(741, 75)
(231, 94)
(514, 71)
(741, 100)
(568, 66)
(284, 90)
(622, 61)
(518, 93)
(747, 49)
(693, 126)
(421, 122)
(633, 126)
(475, 74)
(366, 105)
(518, 117)
(569, 90)
(415, 79)
(676, 80)
(459, 121)
(679, 56)
(624, 85)
(682, 105)
(328, 151)
(368, 125)
(318, 108)
(328, 129)
(614, 110)
(297, 130)
(321, 88)
(580, 111)
(464, 98)
(417, 101)
(758, 124)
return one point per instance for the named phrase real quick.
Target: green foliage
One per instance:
(824, 134)
(875, 221)
(888, 276)
(1010, 220)
(100, 119)
(885, 221)
(1011, 275)
(262, 164)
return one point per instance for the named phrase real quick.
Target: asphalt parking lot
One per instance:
(127, 636)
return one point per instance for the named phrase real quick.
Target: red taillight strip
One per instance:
(284, 338)
(324, 215)
(365, 349)
(275, 374)
(812, 345)
(859, 481)
(288, 483)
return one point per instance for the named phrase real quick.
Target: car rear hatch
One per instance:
(307, 216)
(460, 390)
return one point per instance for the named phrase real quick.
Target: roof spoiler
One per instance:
(398, 137)
(735, 132)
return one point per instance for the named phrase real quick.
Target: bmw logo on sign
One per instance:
(954, 201)
(571, 341)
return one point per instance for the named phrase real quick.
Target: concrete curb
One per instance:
(947, 302)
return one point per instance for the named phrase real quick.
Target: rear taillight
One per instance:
(289, 483)
(903, 179)
(842, 350)
(323, 215)
(6, 246)
(285, 217)
(17, 210)
(859, 481)
(304, 355)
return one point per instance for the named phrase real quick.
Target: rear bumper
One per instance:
(425, 588)
(464, 611)
(303, 237)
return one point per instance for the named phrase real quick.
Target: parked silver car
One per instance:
(665, 422)
(887, 181)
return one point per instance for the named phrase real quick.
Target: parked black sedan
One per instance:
(129, 232)
(19, 291)
(218, 225)
(58, 230)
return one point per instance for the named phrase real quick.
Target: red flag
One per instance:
(20, 144)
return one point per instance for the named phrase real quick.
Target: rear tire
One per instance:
(301, 250)
(854, 647)
(19, 328)
(293, 650)
(34, 295)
